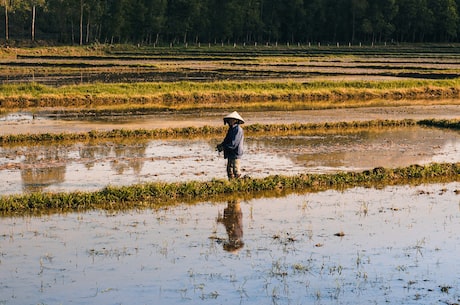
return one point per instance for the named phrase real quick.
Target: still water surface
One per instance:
(26, 122)
(94, 164)
(396, 245)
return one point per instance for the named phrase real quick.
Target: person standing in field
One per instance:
(232, 145)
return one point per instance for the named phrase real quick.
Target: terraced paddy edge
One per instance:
(204, 131)
(193, 95)
(161, 194)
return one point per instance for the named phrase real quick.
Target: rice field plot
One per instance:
(126, 80)
(109, 65)
(93, 164)
(394, 245)
(56, 122)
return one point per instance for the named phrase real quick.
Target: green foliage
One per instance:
(452, 124)
(236, 21)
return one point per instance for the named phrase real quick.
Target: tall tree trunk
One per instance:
(81, 22)
(87, 29)
(73, 31)
(353, 26)
(33, 23)
(6, 21)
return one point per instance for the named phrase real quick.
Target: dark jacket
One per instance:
(233, 142)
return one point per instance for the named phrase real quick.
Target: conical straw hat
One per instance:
(234, 115)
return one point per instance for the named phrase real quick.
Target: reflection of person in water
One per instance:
(233, 222)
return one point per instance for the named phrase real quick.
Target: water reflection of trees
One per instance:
(125, 155)
(355, 149)
(37, 179)
(44, 167)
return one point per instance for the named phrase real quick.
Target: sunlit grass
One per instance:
(204, 131)
(253, 87)
(158, 194)
(276, 95)
(253, 130)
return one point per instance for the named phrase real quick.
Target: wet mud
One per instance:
(301, 64)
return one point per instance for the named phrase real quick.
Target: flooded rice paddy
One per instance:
(396, 245)
(46, 122)
(94, 164)
(208, 63)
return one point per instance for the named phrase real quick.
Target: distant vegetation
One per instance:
(182, 22)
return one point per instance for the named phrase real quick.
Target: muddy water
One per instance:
(92, 165)
(397, 245)
(23, 122)
(95, 164)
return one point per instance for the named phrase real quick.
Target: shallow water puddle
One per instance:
(28, 122)
(396, 245)
(93, 165)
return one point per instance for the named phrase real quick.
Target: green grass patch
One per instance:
(159, 194)
(450, 124)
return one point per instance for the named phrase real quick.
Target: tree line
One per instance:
(230, 21)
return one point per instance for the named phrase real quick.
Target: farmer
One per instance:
(233, 144)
